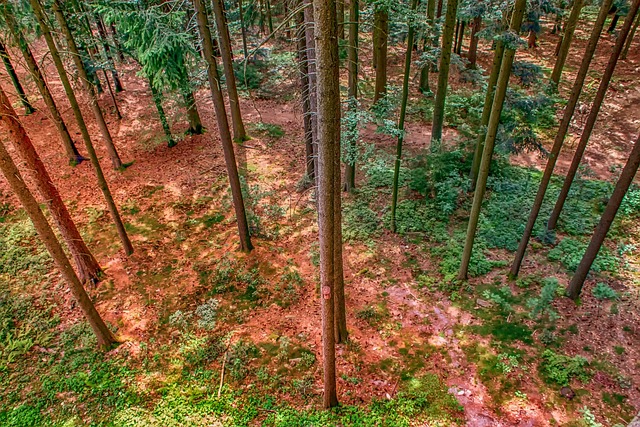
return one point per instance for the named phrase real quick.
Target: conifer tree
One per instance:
(352, 66)
(567, 37)
(627, 45)
(28, 108)
(303, 64)
(380, 50)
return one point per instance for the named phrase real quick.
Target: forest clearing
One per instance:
(319, 213)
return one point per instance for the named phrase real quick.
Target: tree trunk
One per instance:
(460, 37)
(10, 171)
(381, 35)
(593, 115)
(87, 266)
(443, 75)
(455, 36)
(340, 5)
(403, 111)
(223, 126)
(28, 108)
(102, 183)
(473, 42)
(309, 25)
(492, 130)
(560, 135)
(243, 30)
(627, 45)
(614, 23)
(157, 100)
(532, 40)
(426, 68)
(498, 54)
(567, 37)
(239, 132)
(267, 5)
(116, 42)
(107, 52)
(352, 66)
(32, 66)
(112, 95)
(439, 9)
(328, 143)
(306, 103)
(195, 124)
(82, 73)
(609, 214)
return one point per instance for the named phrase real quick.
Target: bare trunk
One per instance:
(627, 45)
(243, 30)
(309, 25)
(223, 126)
(567, 37)
(157, 100)
(473, 42)
(381, 35)
(107, 52)
(28, 108)
(352, 66)
(306, 103)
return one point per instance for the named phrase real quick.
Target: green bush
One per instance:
(560, 370)
(603, 291)
(569, 253)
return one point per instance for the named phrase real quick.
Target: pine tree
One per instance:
(223, 126)
(380, 50)
(627, 45)
(10, 171)
(593, 115)
(28, 108)
(567, 37)
(352, 66)
(561, 134)
(303, 64)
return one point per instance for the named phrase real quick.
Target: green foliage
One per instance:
(569, 252)
(500, 297)
(588, 418)
(239, 357)
(354, 119)
(542, 305)
(207, 314)
(20, 250)
(560, 369)
(269, 129)
(603, 291)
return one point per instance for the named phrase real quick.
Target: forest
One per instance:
(320, 213)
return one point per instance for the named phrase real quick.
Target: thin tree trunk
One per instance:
(352, 66)
(455, 36)
(195, 124)
(32, 66)
(107, 52)
(439, 9)
(627, 45)
(243, 31)
(443, 75)
(82, 73)
(614, 24)
(492, 130)
(426, 68)
(113, 95)
(223, 126)
(267, 5)
(157, 100)
(341, 15)
(460, 37)
(87, 266)
(328, 137)
(567, 37)
(102, 183)
(116, 42)
(609, 214)
(10, 171)
(593, 115)
(403, 111)
(303, 65)
(380, 46)
(473, 42)
(309, 25)
(560, 135)
(239, 132)
(28, 108)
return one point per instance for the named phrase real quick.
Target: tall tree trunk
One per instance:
(473, 42)
(87, 266)
(107, 53)
(195, 124)
(116, 42)
(10, 171)
(593, 115)
(267, 5)
(403, 111)
(426, 68)
(380, 45)
(102, 183)
(492, 130)
(614, 23)
(239, 132)
(560, 135)
(439, 9)
(443, 75)
(609, 214)
(460, 38)
(309, 25)
(341, 15)
(303, 65)
(28, 108)
(328, 141)
(223, 126)
(82, 73)
(455, 36)
(243, 30)
(567, 37)
(112, 95)
(157, 100)
(627, 45)
(498, 55)
(32, 66)
(352, 66)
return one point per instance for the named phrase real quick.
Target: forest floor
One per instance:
(423, 349)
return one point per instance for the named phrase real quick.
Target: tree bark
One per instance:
(102, 183)
(567, 37)
(32, 66)
(267, 5)
(403, 111)
(223, 126)
(328, 142)
(157, 100)
(87, 266)
(112, 95)
(627, 45)
(303, 65)
(455, 36)
(107, 51)
(492, 130)
(82, 73)
(28, 108)
(243, 30)
(352, 66)
(116, 42)
(609, 214)
(380, 47)
(10, 171)
(309, 25)
(614, 23)
(239, 132)
(560, 135)
(593, 115)
(473, 42)
(443, 75)
(341, 7)
(426, 68)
